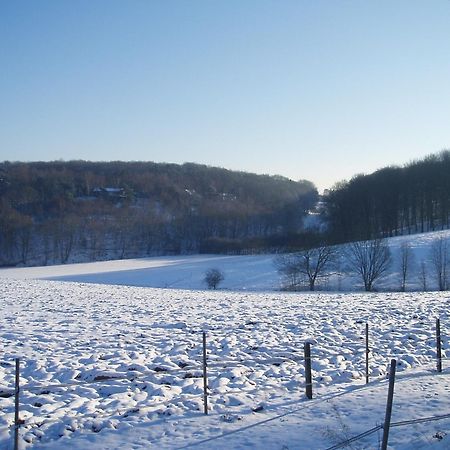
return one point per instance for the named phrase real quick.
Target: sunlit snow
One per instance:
(108, 366)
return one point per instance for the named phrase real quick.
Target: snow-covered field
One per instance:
(110, 366)
(120, 367)
(242, 273)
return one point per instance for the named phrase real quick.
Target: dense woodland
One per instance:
(55, 212)
(392, 201)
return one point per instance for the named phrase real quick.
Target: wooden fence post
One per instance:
(205, 377)
(367, 353)
(16, 406)
(438, 345)
(390, 400)
(308, 375)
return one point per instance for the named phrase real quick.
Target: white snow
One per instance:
(183, 272)
(248, 273)
(110, 366)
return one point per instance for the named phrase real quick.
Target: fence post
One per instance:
(308, 376)
(16, 407)
(367, 353)
(438, 345)
(205, 377)
(390, 400)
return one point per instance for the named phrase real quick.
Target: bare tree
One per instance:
(213, 277)
(370, 260)
(406, 259)
(440, 261)
(287, 268)
(310, 265)
(423, 275)
(65, 233)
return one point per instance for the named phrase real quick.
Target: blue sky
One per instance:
(317, 90)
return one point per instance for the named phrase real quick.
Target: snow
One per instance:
(111, 358)
(183, 272)
(242, 273)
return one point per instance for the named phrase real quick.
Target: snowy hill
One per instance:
(109, 366)
(251, 273)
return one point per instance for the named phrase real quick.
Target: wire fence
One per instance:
(325, 399)
(402, 423)
(213, 363)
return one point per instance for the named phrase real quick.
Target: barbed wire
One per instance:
(187, 370)
(216, 363)
(132, 378)
(356, 438)
(116, 412)
(393, 424)
(308, 405)
(376, 382)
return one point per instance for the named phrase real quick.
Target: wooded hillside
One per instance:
(392, 201)
(51, 211)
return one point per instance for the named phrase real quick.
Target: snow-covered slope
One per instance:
(253, 272)
(182, 272)
(107, 366)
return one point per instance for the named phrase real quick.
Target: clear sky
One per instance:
(309, 89)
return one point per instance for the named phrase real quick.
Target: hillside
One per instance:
(59, 212)
(110, 360)
(244, 273)
(392, 201)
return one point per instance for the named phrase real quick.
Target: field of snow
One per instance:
(111, 357)
(242, 273)
(174, 272)
(120, 367)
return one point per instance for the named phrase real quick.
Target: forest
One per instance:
(59, 212)
(392, 201)
(56, 212)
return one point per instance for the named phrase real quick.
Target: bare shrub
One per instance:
(213, 277)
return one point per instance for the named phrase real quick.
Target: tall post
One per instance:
(367, 353)
(438, 345)
(16, 406)
(390, 400)
(308, 375)
(205, 377)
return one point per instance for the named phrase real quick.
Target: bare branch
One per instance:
(370, 260)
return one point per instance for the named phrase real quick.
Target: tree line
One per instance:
(368, 261)
(392, 201)
(55, 212)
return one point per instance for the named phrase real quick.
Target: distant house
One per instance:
(109, 193)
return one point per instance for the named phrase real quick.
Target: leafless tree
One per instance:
(370, 260)
(440, 261)
(310, 265)
(423, 275)
(65, 234)
(213, 277)
(406, 259)
(286, 267)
